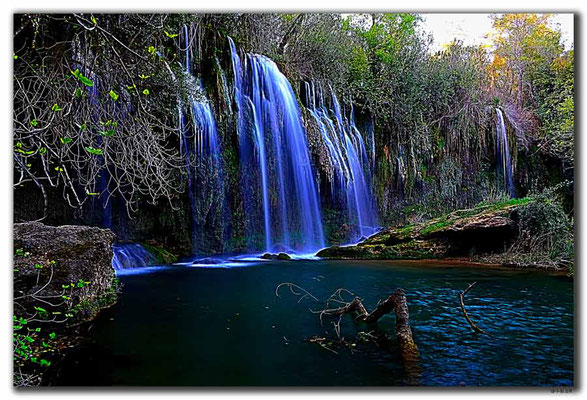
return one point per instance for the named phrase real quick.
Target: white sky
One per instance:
(472, 29)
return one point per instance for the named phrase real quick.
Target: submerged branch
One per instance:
(461, 298)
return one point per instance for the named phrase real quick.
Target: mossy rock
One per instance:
(163, 256)
(487, 226)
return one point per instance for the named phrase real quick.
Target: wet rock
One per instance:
(272, 256)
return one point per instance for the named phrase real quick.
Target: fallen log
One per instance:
(396, 301)
(355, 306)
(384, 307)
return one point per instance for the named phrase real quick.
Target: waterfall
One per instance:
(503, 154)
(202, 155)
(275, 159)
(131, 255)
(352, 166)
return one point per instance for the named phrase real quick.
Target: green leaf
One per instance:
(113, 95)
(142, 76)
(56, 108)
(52, 335)
(34, 122)
(171, 35)
(65, 140)
(94, 20)
(41, 310)
(85, 81)
(83, 127)
(94, 151)
(15, 57)
(109, 132)
(151, 50)
(82, 78)
(146, 92)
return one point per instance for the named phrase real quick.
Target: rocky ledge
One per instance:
(485, 229)
(63, 276)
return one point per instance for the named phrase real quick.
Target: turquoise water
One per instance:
(225, 326)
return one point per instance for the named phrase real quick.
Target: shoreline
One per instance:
(457, 262)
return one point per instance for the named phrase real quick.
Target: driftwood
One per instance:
(396, 301)
(461, 298)
(403, 332)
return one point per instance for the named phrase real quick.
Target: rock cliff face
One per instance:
(462, 233)
(65, 268)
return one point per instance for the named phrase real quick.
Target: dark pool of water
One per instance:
(219, 326)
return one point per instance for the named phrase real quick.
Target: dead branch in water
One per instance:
(295, 290)
(396, 301)
(461, 298)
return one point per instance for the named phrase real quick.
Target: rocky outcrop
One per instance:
(63, 276)
(66, 268)
(462, 233)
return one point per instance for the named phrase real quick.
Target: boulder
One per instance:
(272, 256)
(55, 261)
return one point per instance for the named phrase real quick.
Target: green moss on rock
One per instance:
(163, 256)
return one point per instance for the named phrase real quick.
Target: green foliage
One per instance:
(532, 70)
(163, 256)
(94, 151)
(86, 81)
(546, 229)
(108, 133)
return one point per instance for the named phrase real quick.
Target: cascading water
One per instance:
(348, 156)
(503, 154)
(275, 159)
(131, 255)
(202, 155)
